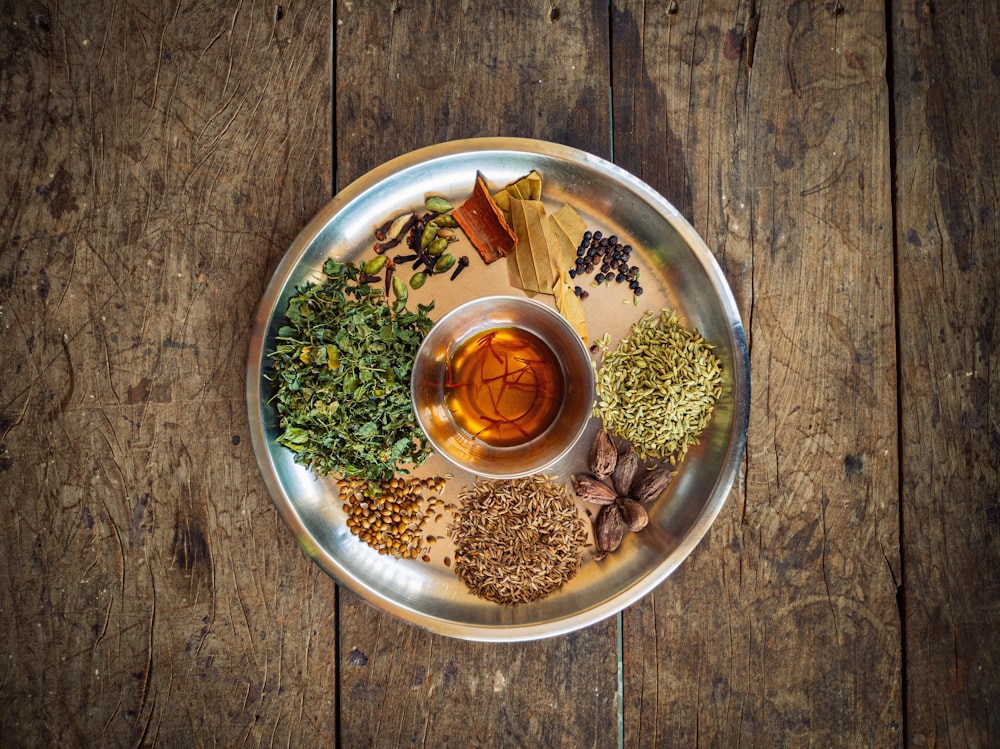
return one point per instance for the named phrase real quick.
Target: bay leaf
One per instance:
(514, 271)
(570, 306)
(524, 221)
(567, 228)
(528, 187)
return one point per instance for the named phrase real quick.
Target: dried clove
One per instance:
(390, 269)
(463, 262)
(381, 230)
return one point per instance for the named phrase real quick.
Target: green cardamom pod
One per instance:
(399, 289)
(428, 235)
(437, 246)
(445, 221)
(374, 265)
(397, 226)
(418, 279)
(436, 204)
(444, 263)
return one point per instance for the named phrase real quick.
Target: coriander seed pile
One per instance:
(392, 519)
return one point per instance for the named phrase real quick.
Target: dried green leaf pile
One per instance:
(659, 386)
(342, 370)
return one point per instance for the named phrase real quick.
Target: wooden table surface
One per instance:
(839, 158)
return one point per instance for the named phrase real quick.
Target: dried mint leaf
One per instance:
(341, 369)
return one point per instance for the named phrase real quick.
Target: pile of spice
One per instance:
(392, 516)
(616, 485)
(516, 540)
(427, 237)
(342, 368)
(658, 387)
(610, 258)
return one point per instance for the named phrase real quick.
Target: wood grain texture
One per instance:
(782, 628)
(408, 77)
(156, 162)
(947, 83)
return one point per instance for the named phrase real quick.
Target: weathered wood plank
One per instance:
(946, 74)
(408, 77)
(783, 626)
(157, 159)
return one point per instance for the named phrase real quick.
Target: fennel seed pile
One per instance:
(658, 387)
(516, 540)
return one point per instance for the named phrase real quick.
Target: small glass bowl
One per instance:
(430, 378)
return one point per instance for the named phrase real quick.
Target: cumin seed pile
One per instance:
(516, 540)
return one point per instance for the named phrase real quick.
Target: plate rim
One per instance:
(639, 587)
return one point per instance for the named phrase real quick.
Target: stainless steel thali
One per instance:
(677, 271)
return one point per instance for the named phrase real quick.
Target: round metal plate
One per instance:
(677, 271)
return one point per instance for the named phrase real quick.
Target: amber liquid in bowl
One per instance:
(504, 386)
